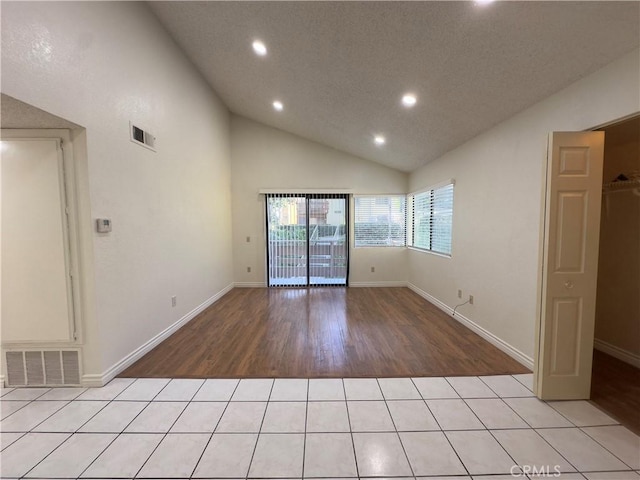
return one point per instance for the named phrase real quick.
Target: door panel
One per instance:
(287, 240)
(36, 289)
(570, 232)
(570, 260)
(327, 240)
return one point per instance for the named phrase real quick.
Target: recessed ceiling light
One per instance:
(483, 2)
(278, 105)
(259, 48)
(379, 140)
(409, 100)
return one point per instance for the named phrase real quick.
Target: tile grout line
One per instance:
(406, 456)
(304, 439)
(521, 382)
(75, 432)
(530, 427)
(92, 417)
(255, 447)
(464, 400)
(154, 400)
(489, 430)
(119, 434)
(195, 467)
(573, 425)
(440, 427)
(353, 442)
(603, 446)
(159, 433)
(16, 411)
(59, 445)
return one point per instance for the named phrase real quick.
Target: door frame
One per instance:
(309, 195)
(70, 230)
(544, 247)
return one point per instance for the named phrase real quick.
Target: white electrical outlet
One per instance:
(470, 299)
(459, 293)
(373, 269)
(174, 301)
(248, 269)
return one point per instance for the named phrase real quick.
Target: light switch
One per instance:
(103, 225)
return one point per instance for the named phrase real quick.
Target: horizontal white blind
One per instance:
(432, 219)
(422, 219)
(380, 221)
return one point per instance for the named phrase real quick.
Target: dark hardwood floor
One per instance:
(323, 332)
(615, 388)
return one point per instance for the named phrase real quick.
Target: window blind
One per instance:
(432, 219)
(380, 221)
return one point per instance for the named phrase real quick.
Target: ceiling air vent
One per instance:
(142, 137)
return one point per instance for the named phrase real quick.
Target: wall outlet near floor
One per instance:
(470, 299)
(459, 293)
(373, 269)
(248, 239)
(174, 301)
(248, 269)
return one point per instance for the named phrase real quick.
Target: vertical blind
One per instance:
(287, 239)
(431, 219)
(380, 221)
(307, 239)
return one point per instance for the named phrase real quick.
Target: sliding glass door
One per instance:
(307, 240)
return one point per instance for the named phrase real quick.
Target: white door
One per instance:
(570, 262)
(36, 288)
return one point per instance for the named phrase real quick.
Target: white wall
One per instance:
(265, 157)
(497, 203)
(101, 65)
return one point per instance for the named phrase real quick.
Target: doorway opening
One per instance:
(615, 385)
(307, 240)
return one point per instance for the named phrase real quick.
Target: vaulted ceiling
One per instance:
(341, 68)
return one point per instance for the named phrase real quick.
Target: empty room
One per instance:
(320, 240)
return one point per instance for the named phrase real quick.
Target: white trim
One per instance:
(98, 380)
(2, 381)
(432, 252)
(249, 284)
(289, 191)
(378, 284)
(471, 325)
(617, 352)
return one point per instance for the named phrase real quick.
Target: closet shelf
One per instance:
(632, 182)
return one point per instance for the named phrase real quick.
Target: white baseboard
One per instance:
(98, 380)
(486, 334)
(617, 352)
(378, 284)
(249, 284)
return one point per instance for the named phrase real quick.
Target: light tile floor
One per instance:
(432, 428)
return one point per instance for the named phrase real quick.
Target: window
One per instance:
(380, 221)
(431, 215)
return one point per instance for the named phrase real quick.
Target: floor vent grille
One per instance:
(43, 368)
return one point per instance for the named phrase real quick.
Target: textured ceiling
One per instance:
(340, 68)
